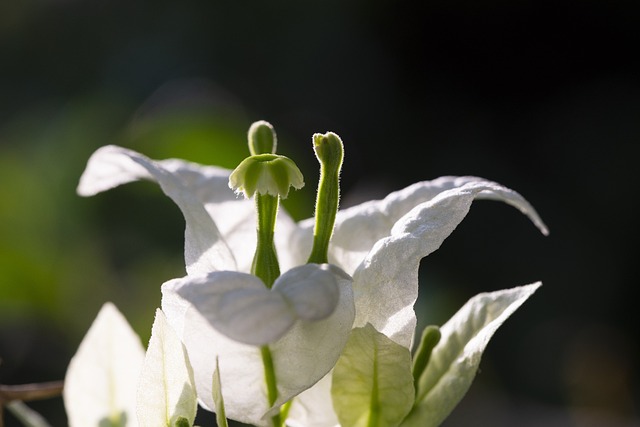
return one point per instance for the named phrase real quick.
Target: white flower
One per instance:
(378, 243)
(219, 243)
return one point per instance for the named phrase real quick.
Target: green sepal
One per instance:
(181, 422)
(430, 337)
(372, 384)
(216, 390)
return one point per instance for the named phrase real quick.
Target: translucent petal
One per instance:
(360, 227)
(311, 348)
(187, 184)
(313, 407)
(386, 282)
(166, 390)
(234, 215)
(311, 290)
(240, 368)
(372, 381)
(301, 357)
(205, 249)
(102, 377)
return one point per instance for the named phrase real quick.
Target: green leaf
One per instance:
(216, 390)
(454, 361)
(372, 381)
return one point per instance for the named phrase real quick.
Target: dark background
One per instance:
(543, 97)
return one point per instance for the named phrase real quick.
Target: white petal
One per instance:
(386, 283)
(311, 289)
(102, 377)
(237, 305)
(240, 367)
(314, 407)
(360, 227)
(311, 348)
(234, 215)
(166, 391)
(205, 248)
(301, 357)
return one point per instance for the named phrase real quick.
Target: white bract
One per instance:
(110, 381)
(220, 311)
(102, 378)
(166, 392)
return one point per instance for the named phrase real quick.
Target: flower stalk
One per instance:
(265, 261)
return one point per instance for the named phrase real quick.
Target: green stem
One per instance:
(265, 261)
(265, 266)
(270, 379)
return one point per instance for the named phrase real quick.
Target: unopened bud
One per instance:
(262, 138)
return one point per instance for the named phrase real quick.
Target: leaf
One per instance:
(372, 381)
(102, 377)
(27, 416)
(166, 394)
(454, 361)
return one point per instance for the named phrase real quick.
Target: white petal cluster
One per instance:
(219, 311)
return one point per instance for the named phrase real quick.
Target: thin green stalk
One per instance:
(270, 379)
(265, 260)
(330, 152)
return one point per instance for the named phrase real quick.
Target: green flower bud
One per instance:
(266, 174)
(262, 138)
(330, 153)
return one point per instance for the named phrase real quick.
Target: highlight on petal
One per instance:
(304, 355)
(386, 282)
(166, 392)
(102, 377)
(455, 359)
(311, 290)
(372, 381)
(205, 249)
(238, 305)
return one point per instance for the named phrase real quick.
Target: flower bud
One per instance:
(329, 151)
(262, 138)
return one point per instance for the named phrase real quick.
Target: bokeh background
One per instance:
(541, 96)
